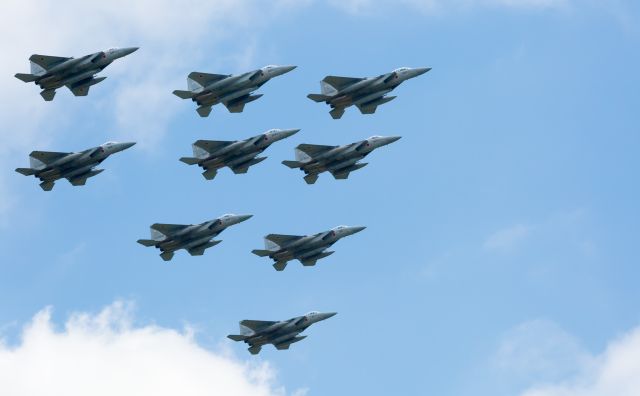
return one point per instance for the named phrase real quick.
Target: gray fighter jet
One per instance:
(314, 159)
(366, 93)
(53, 72)
(76, 167)
(239, 155)
(281, 334)
(194, 238)
(306, 249)
(234, 91)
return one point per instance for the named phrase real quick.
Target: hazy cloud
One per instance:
(107, 354)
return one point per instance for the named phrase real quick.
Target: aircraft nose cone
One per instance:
(242, 218)
(123, 146)
(421, 70)
(330, 314)
(391, 139)
(285, 69)
(290, 132)
(129, 50)
(357, 229)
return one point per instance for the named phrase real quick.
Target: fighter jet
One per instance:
(53, 72)
(314, 159)
(76, 167)
(366, 93)
(306, 249)
(234, 91)
(194, 238)
(281, 334)
(239, 155)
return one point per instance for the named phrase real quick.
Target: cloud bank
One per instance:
(553, 363)
(106, 354)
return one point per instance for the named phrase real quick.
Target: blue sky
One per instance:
(501, 248)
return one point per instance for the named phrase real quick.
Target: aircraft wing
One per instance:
(47, 62)
(341, 82)
(168, 229)
(47, 157)
(281, 240)
(211, 146)
(205, 79)
(313, 150)
(257, 325)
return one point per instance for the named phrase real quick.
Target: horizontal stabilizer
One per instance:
(26, 171)
(261, 252)
(280, 265)
(147, 242)
(337, 113)
(46, 185)
(319, 97)
(183, 94)
(166, 256)
(48, 94)
(204, 111)
(237, 337)
(190, 160)
(26, 77)
(199, 250)
(311, 178)
(292, 164)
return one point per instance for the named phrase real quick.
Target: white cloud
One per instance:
(554, 364)
(539, 350)
(107, 354)
(506, 239)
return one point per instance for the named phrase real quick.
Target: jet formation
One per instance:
(238, 155)
(194, 238)
(340, 161)
(366, 93)
(77, 167)
(281, 334)
(233, 91)
(77, 74)
(307, 249)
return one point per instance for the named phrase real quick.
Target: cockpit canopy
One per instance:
(401, 69)
(312, 313)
